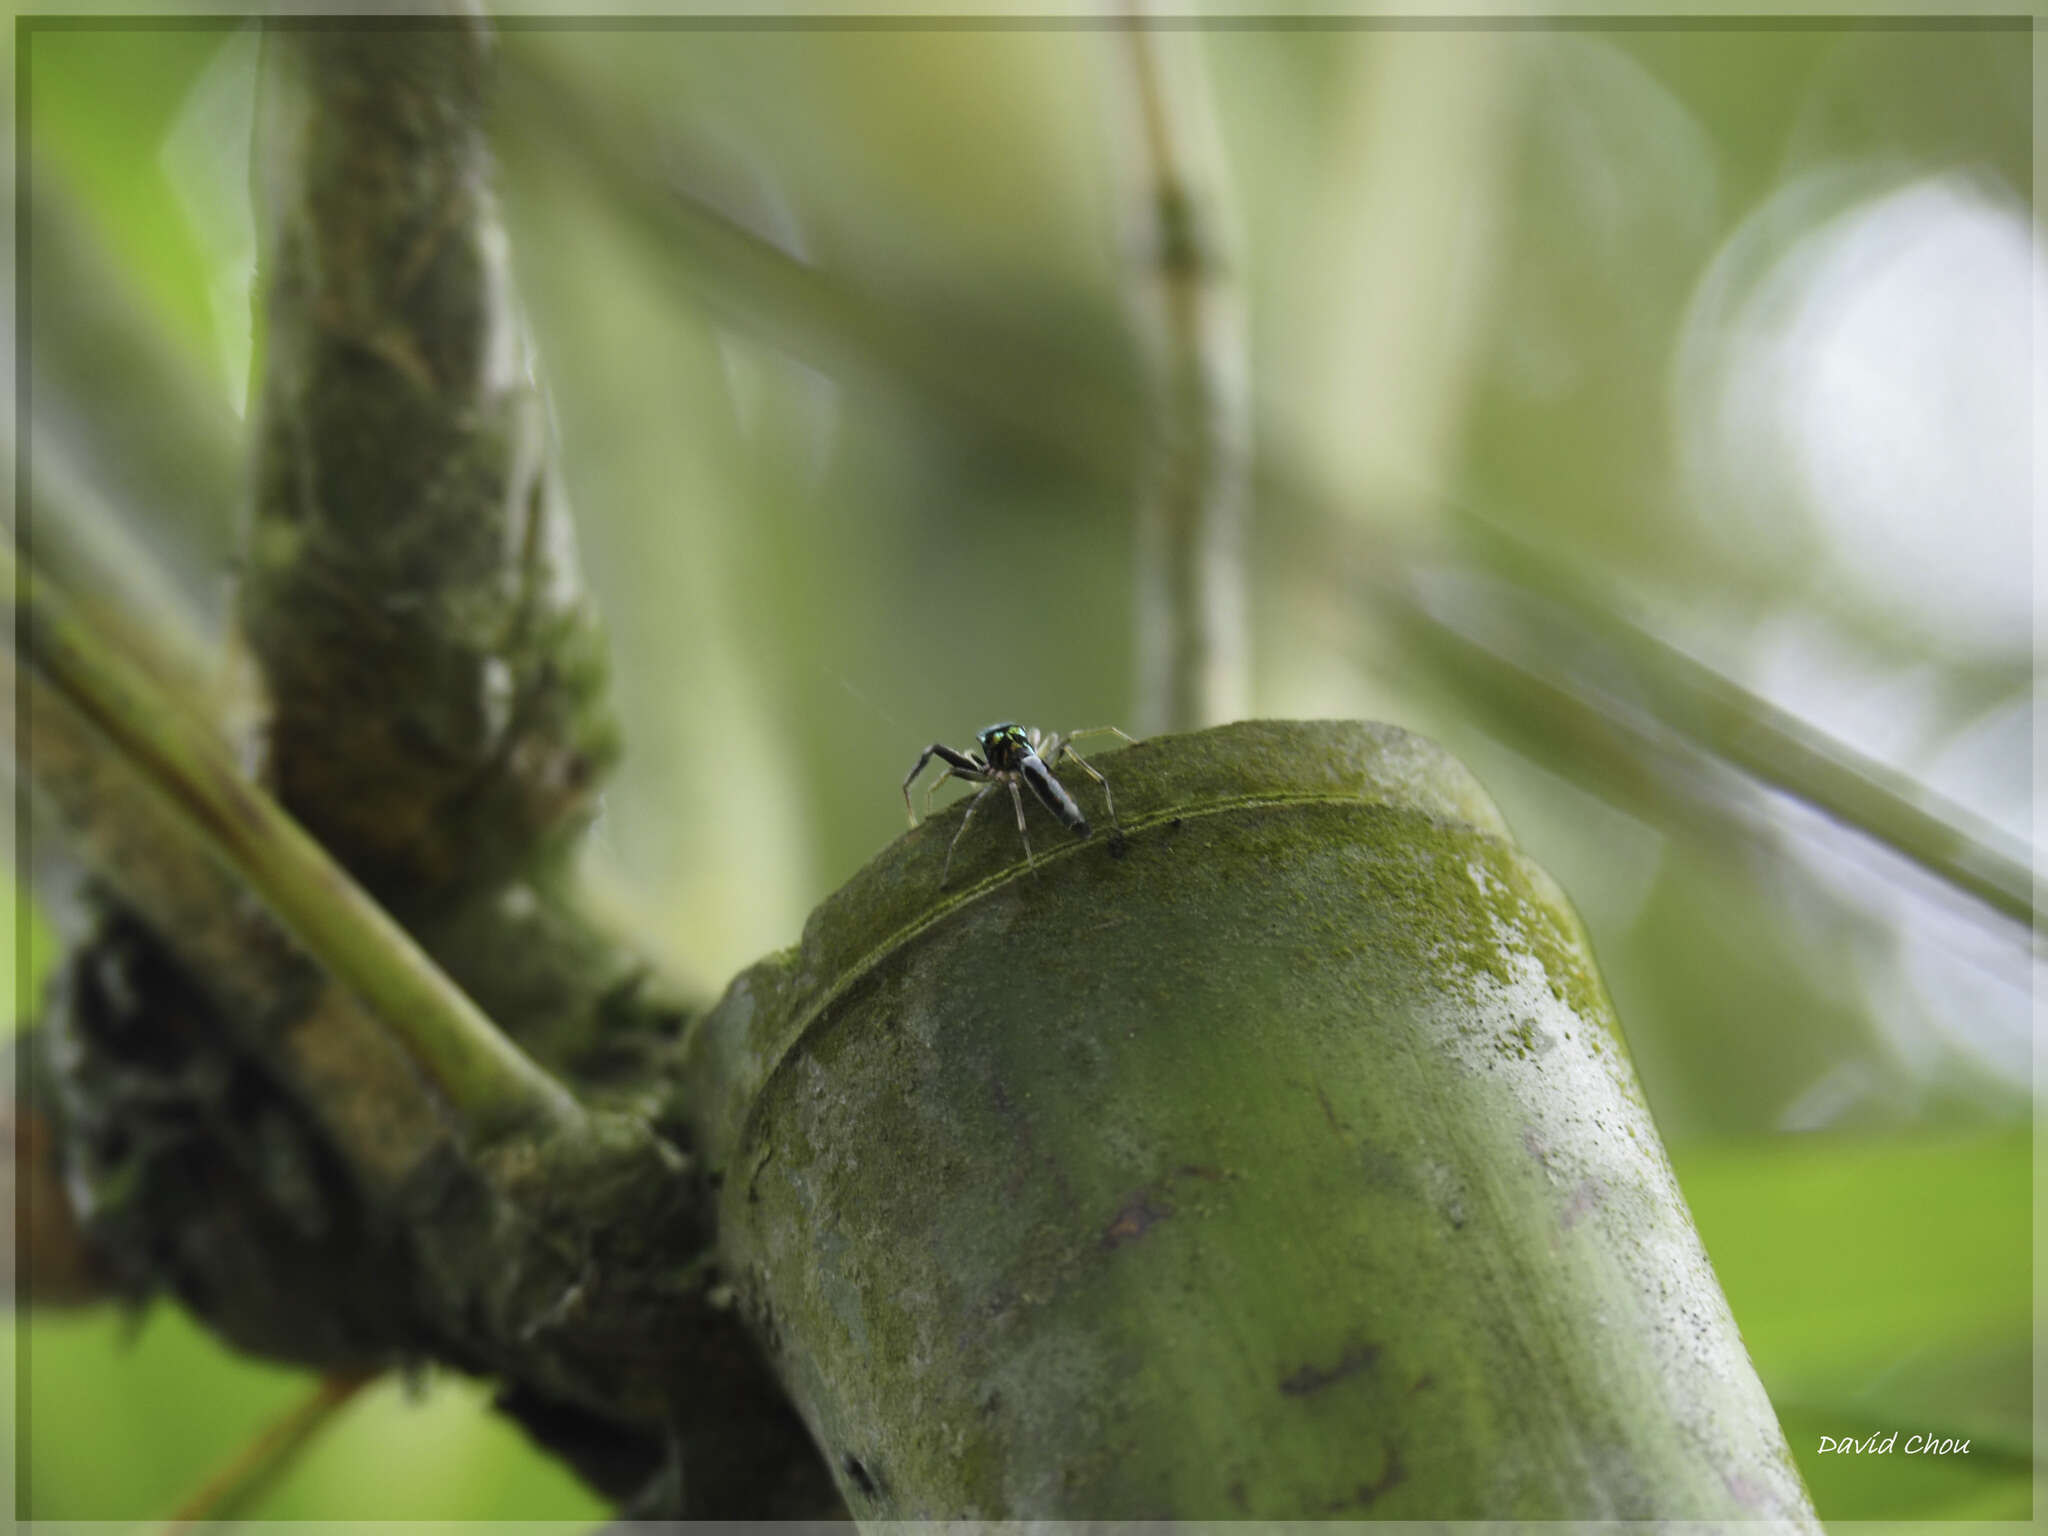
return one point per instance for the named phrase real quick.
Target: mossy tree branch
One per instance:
(436, 711)
(436, 679)
(569, 1265)
(1308, 1177)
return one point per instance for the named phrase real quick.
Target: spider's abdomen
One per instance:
(1052, 793)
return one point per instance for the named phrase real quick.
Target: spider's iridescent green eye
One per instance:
(1003, 744)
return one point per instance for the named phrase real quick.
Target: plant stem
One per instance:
(1191, 643)
(492, 1086)
(1511, 648)
(343, 1065)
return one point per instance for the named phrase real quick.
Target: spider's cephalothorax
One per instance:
(1014, 754)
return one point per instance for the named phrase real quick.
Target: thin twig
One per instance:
(490, 1084)
(250, 1472)
(1191, 642)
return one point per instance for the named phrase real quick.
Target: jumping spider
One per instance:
(1015, 754)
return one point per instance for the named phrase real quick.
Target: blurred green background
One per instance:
(1730, 325)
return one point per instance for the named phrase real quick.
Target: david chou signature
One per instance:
(1884, 1445)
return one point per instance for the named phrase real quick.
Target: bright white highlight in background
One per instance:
(1855, 405)
(1855, 388)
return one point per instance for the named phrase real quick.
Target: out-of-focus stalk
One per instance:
(1518, 651)
(1191, 638)
(86, 543)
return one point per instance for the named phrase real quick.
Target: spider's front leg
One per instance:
(1108, 799)
(958, 764)
(1017, 798)
(1101, 730)
(1060, 747)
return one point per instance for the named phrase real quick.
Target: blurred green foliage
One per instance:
(1568, 282)
(103, 104)
(114, 1433)
(1885, 1286)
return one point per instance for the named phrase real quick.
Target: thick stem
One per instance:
(1308, 1175)
(436, 710)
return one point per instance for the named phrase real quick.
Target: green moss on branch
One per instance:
(436, 679)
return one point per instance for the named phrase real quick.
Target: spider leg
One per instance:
(947, 867)
(1063, 747)
(1086, 767)
(932, 788)
(1017, 798)
(957, 761)
(1102, 730)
